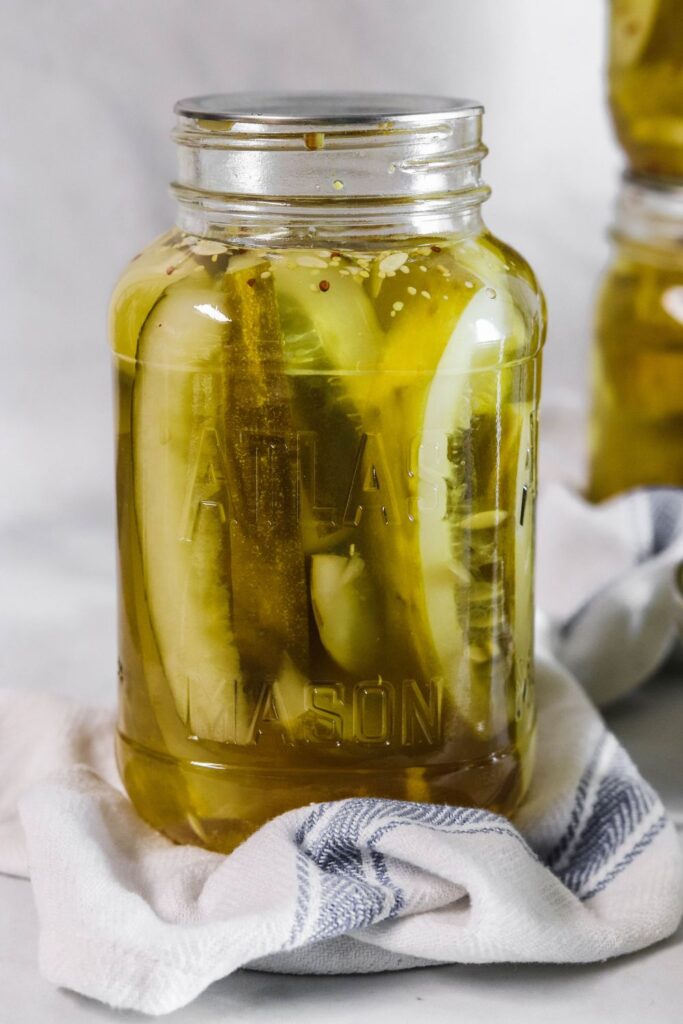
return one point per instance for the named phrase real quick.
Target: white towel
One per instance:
(590, 869)
(609, 586)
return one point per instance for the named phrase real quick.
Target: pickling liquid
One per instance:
(646, 83)
(637, 417)
(326, 482)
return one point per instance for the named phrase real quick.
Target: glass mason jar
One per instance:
(637, 415)
(646, 83)
(327, 378)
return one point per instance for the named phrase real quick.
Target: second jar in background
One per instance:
(646, 83)
(637, 419)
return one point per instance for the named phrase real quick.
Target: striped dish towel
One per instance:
(590, 868)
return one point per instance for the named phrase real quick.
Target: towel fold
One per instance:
(590, 868)
(609, 586)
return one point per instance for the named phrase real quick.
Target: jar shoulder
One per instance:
(414, 288)
(509, 274)
(519, 276)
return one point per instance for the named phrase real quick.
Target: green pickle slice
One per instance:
(631, 26)
(168, 260)
(646, 83)
(226, 591)
(345, 608)
(270, 596)
(177, 399)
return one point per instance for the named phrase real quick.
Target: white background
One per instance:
(87, 89)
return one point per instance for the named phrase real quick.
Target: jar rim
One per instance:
(338, 146)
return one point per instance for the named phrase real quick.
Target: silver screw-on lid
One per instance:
(350, 145)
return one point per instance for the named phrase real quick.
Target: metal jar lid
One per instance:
(337, 146)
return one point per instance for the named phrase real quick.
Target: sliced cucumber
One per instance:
(141, 285)
(180, 504)
(395, 409)
(223, 567)
(467, 404)
(270, 596)
(345, 608)
(335, 330)
(631, 26)
(322, 408)
(448, 411)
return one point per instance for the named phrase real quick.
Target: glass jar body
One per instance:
(637, 414)
(646, 83)
(326, 481)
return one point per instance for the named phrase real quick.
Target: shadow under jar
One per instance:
(327, 380)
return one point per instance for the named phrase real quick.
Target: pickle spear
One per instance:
(357, 600)
(440, 381)
(182, 505)
(344, 605)
(325, 334)
(142, 284)
(214, 492)
(270, 598)
(473, 429)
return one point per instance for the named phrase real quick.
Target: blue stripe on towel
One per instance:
(354, 887)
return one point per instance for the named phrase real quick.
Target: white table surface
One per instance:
(57, 616)
(646, 988)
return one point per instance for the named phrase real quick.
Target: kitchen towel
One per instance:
(590, 868)
(610, 585)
